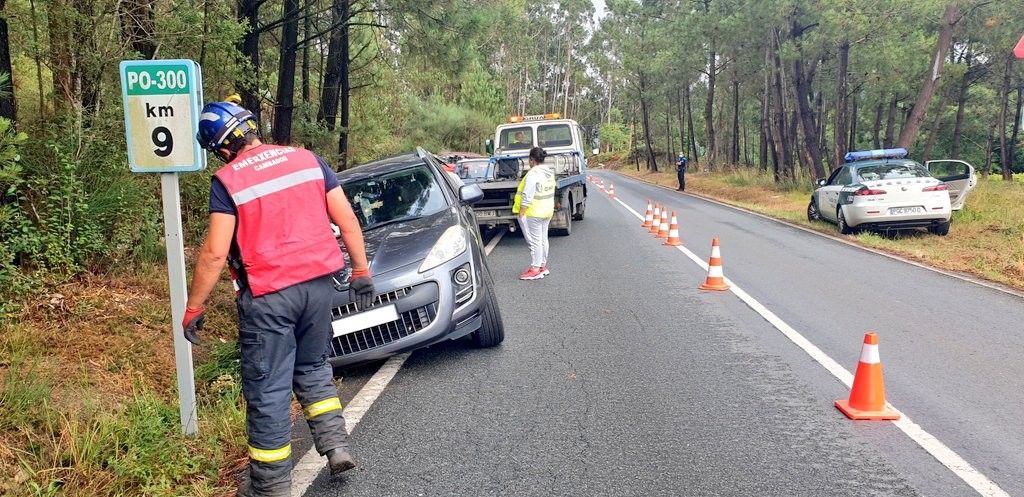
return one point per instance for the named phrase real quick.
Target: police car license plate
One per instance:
(896, 211)
(366, 319)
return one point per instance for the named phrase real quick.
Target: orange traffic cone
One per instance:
(655, 220)
(716, 278)
(611, 190)
(648, 216)
(673, 232)
(867, 397)
(663, 227)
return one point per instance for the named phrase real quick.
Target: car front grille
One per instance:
(408, 322)
(385, 298)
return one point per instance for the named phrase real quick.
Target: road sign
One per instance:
(161, 113)
(1018, 50)
(162, 99)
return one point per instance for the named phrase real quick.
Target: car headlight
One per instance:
(448, 246)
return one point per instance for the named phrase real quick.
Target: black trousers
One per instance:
(682, 179)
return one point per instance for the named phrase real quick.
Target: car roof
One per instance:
(381, 166)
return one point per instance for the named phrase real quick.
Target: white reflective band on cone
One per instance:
(715, 271)
(869, 354)
(716, 252)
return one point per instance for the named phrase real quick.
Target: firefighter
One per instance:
(534, 202)
(270, 212)
(681, 171)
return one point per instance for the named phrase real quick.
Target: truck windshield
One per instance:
(516, 138)
(554, 135)
(409, 193)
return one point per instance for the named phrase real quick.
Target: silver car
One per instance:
(882, 190)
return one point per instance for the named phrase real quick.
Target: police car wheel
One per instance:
(941, 229)
(841, 223)
(812, 211)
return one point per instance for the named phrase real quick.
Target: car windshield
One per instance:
(892, 171)
(476, 169)
(554, 135)
(405, 194)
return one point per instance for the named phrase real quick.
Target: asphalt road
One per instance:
(619, 377)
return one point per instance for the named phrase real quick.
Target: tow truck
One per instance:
(562, 139)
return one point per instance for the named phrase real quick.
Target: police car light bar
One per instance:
(534, 117)
(885, 153)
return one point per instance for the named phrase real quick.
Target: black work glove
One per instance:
(360, 289)
(193, 323)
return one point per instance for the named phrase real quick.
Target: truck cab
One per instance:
(565, 142)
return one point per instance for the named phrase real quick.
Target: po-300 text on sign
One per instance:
(161, 108)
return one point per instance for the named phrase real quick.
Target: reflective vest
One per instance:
(542, 204)
(283, 234)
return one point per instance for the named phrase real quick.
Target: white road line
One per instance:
(312, 463)
(932, 445)
(494, 242)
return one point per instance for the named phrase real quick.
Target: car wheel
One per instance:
(843, 227)
(941, 229)
(812, 211)
(492, 328)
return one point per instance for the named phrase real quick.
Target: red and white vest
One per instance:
(283, 232)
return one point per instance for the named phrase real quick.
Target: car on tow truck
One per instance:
(882, 190)
(427, 259)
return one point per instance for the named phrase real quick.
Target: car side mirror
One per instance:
(489, 146)
(820, 182)
(471, 194)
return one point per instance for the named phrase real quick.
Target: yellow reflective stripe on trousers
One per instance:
(270, 455)
(317, 408)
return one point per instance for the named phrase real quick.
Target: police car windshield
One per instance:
(400, 195)
(899, 170)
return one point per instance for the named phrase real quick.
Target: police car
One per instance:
(883, 190)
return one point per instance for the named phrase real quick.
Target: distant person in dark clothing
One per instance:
(681, 171)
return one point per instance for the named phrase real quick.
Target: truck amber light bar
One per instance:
(534, 117)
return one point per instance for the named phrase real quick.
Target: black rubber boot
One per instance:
(340, 461)
(267, 480)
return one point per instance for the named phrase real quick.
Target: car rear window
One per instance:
(476, 168)
(405, 194)
(892, 171)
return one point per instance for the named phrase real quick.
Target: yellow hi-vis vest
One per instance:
(542, 205)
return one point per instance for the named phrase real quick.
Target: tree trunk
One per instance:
(924, 96)
(345, 94)
(329, 92)
(961, 102)
(890, 123)
(307, 31)
(735, 150)
(709, 107)
(689, 126)
(285, 106)
(668, 135)
(652, 161)
(1016, 127)
(137, 26)
(876, 129)
(840, 118)
(936, 127)
(8, 108)
(802, 86)
(988, 151)
(683, 145)
(249, 84)
(852, 143)
(779, 125)
(1005, 161)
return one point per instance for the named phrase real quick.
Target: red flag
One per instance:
(1018, 50)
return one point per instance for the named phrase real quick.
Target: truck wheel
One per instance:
(581, 209)
(567, 230)
(492, 328)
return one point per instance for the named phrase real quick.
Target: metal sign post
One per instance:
(162, 99)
